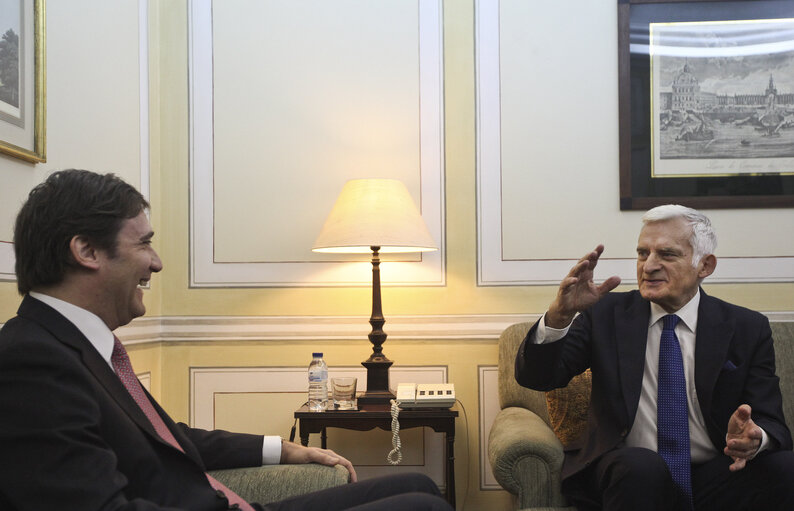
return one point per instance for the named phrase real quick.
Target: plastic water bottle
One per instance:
(318, 383)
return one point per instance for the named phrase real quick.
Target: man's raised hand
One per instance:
(578, 291)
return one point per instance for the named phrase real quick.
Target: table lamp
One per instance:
(378, 216)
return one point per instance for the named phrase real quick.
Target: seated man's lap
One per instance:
(766, 482)
(627, 478)
(416, 492)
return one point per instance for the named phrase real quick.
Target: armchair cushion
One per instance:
(567, 408)
(272, 483)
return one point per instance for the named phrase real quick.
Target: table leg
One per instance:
(304, 435)
(323, 439)
(451, 469)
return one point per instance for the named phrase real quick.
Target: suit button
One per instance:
(624, 433)
(220, 494)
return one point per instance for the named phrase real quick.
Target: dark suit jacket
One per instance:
(72, 438)
(734, 364)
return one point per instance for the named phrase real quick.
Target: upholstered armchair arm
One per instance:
(526, 458)
(272, 483)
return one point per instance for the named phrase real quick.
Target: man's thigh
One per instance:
(629, 478)
(371, 491)
(766, 482)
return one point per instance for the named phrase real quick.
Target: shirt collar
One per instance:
(89, 324)
(688, 313)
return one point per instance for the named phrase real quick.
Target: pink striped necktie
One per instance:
(123, 367)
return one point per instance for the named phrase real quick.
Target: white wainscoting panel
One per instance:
(489, 407)
(276, 167)
(208, 383)
(547, 165)
(146, 380)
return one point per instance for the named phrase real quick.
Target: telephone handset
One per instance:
(412, 395)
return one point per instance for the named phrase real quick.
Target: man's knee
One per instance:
(634, 464)
(405, 483)
(777, 470)
(418, 483)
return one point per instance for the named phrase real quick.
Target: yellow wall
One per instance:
(170, 294)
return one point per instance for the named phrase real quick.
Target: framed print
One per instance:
(23, 79)
(706, 106)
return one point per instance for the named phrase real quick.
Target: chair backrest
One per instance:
(510, 392)
(783, 334)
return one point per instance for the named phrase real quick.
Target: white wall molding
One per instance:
(266, 328)
(489, 407)
(170, 329)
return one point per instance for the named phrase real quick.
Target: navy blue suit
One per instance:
(734, 364)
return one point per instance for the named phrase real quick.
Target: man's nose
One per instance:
(157, 264)
(652, 262)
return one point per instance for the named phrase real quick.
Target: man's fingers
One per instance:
(330, 458)
(738, 464)
(608, 285)
(739, 420)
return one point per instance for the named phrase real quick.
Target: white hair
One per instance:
(703, 240)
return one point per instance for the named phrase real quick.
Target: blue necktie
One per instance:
(671, 408)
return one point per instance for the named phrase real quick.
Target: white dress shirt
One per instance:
(102, 339)
(643, 431)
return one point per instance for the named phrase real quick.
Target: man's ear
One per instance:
(707, 266)
(84, 252)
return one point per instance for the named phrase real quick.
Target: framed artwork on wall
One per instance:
(23, 79)
(706, 103)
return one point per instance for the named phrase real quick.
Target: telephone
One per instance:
(412, 395)
(425, 395)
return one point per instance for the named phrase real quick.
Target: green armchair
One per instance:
(272, 483)
(525, 454)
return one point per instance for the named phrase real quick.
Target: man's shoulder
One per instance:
(712, 305)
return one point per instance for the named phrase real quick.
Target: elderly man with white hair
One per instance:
(685, 411)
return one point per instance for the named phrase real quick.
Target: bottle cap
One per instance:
(317, 354)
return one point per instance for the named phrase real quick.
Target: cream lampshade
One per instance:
(378, 216)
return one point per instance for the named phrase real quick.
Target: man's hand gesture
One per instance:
(743, 438)
(578, 291)
(293, 454)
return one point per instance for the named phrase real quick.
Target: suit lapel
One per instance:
(631, 331)
(712, 339)
(66, 332)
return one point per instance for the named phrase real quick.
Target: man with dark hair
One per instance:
(77, 430)
(685, 410)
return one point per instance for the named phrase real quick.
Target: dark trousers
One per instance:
(633, 478)
(410, 492)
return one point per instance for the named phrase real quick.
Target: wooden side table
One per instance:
(441, 420)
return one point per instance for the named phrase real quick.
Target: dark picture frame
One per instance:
(727, 146)
(23, 80)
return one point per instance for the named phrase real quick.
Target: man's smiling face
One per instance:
(665, 274)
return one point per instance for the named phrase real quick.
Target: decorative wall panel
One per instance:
(283, 114)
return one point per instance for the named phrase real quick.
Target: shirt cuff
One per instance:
(762, 447)
(764, 443)
(271, 450)
(544, 334)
